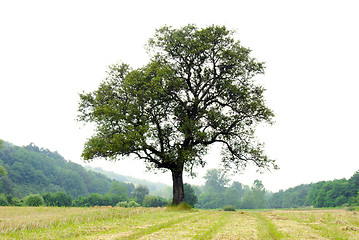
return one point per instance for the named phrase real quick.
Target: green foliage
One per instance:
(216, 180)
(258, 193)
(3, 200)
(116, 196)
(118, 193)
(131, 204)
(190, 196)
(232, 197)
(59, 199)
(229, 208)
(2, 171)
(334, 193)
(33, 170)
(216, 196)
(210, 200)
(34, 200)
(139, 193)
(122, 204)
(154, 201)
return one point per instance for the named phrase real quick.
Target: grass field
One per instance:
(162, 223)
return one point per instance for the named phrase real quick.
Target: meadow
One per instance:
(167, 223)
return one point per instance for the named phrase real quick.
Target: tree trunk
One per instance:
(178, 192)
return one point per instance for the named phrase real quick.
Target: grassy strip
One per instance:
(218, 221)
(140, 232)
(239, 225)
(266, 228)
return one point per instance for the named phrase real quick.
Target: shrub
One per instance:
(229, 208)
(34, 200)
(132, 204)
(62, 199)
(122, 204)
(154, 201)
(81, 201)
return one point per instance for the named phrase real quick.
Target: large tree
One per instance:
(198, 89)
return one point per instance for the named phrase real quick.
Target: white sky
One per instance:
(52, 50)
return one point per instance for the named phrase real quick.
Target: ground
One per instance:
(163, 223)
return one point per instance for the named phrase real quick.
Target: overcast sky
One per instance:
(50, 51)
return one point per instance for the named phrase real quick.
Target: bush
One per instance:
(62, 199)
(81, 201)
(154, 201)
(229, 208)
(133, 204)
(34, 200)
(122, 204)
(16, 202)
(130, 204)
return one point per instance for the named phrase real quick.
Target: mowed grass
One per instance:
(163, 223)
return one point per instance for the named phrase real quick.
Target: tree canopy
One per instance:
(198, 89)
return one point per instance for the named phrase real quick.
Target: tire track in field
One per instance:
(214, 228)
(290, 228)
(204, 225)
(184, 229)
(266, 228)
(239, 225)
(145, 228)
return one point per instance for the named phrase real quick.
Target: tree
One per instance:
(216, 180)
(34, 200)
(232, 197)
(2, 169)
(258, 192)
(139, 193)
(3, 200)
(190, 196)
(197, 90)
(118, 193)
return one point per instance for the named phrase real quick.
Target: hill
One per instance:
(37, 170)
(152, 186)
(34, 170)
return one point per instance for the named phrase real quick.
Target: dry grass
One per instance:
(162, 223)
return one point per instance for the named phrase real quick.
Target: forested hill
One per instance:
(32, 170)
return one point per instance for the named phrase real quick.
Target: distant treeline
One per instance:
(321, 194)
(117, 196)
(217, 193)
(31, 175)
